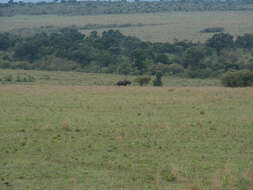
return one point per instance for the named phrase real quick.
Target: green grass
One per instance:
(85, 79)
(180, 25)
(105, 137)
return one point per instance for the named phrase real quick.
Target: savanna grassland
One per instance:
(108, 137)
(155, 27)
(76, 130)
(87, 79)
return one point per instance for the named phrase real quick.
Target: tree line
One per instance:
(113, 52)
(73, 7)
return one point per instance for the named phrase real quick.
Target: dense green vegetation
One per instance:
(112, 52)
(238, 79)
(118, 7)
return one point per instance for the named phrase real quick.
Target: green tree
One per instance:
(220, 41)
(7, 40)
(192, 57)
(162, 58)
(140, 59)
(237, 79)
(245, 41)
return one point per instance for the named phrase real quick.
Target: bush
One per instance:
(212, 30)
(158, 79)
(25, 78)
(143, 80)
(237, 79)
(8, 78)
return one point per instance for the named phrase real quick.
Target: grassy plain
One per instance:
(85, 79)
(180, 25)
(107, 137)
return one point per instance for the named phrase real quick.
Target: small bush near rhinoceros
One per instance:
(143, 80)
(237, 79)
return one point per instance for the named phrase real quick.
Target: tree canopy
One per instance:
(113, 52)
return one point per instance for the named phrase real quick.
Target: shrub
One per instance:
(26, 78)
(30, 78)
(212, 30)
(237, 79)
(8, 78)
(158, 79)
(143, 80)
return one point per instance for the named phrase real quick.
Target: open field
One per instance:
(180, 25)
(85, 79)
(77, 137)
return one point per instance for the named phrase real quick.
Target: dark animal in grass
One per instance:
(123, 82)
